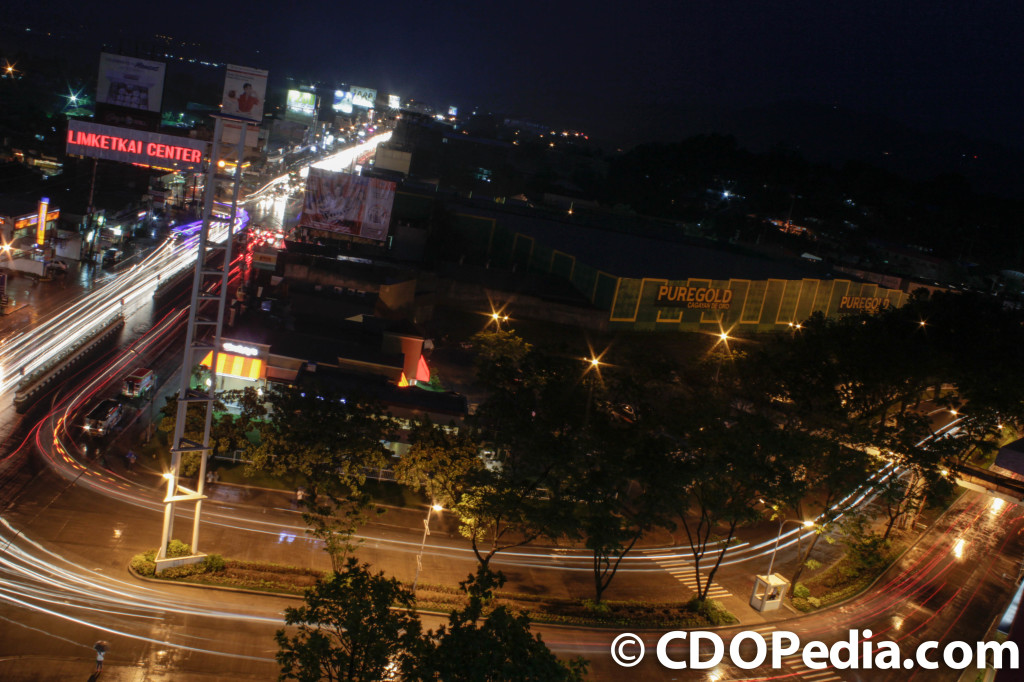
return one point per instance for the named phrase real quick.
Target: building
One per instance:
(304, 336)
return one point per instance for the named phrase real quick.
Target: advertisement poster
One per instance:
(394, 102)
(245, 91)
(348, 204)
(130, 82)
(301, 102)
(342, 101)
(364, 97)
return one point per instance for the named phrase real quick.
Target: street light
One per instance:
(498, 318)
(806, 524)
(426, 531)
(594, 363)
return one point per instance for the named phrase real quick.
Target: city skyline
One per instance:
(603, 67)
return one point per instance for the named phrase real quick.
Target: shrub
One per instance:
(144, 564)
(711, 611)
(183, 571)
(214, 563)
(177, 548)
(814, 602)
(801, 591)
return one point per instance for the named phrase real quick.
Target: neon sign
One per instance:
(44, 204)
(134, 146)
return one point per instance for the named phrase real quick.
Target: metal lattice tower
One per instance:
(205, 325)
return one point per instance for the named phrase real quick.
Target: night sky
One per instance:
(930, 63)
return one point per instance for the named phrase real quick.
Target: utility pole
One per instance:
(89, 209)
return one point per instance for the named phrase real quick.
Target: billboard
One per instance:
(303, 103)
(245, 90)
(453, 111)
(348, 204)
(394, 102)
(364, 97)
(134, 146)
(342, 101)
(130, 82)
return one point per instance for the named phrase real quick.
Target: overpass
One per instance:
(985, 481)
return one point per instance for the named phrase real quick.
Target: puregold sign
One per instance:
(701, 298)
(862, 303)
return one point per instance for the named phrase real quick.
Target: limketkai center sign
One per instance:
(100, 141)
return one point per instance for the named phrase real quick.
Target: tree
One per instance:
(354, 625)
(525, 421)
(732, 468)
(329, 441)
(444, 462)
(832, 471)
(481, 643)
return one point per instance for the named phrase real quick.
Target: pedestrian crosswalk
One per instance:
(805, 674)
(682, 571)
(793, 667)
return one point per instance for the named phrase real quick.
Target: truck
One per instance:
(102, 418)
(139, 383)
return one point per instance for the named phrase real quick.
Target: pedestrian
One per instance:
(130, 459)
(101, 651)
(300, 495)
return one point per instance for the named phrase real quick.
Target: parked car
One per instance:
(111, 256)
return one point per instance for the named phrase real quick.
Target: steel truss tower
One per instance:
(205, 326)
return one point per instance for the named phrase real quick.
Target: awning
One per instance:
(237, 366)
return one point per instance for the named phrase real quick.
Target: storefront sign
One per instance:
(848, 304)
(134, 146)
(240, 349)
(702, 298)
(44, 204)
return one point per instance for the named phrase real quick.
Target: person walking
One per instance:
(101, 652)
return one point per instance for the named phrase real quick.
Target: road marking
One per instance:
(684, 574)
(805, 673)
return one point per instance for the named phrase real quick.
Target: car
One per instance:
(59, 267)
(139, 383)
(111, 256)
(103, 417)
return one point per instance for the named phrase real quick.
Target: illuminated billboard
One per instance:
(364, 97)
(303, 103)
(342, 101)
(348, 204)
(244, 92)
(453, 111)
(134, 146)
(394, 102)
(130, 82)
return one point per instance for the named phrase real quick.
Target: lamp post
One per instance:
(723, 337)
(806, 524)
(426, 531)
(594, 363)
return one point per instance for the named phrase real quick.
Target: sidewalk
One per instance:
(65, 669)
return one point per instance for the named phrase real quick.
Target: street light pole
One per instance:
(595, 364)
(771, 564)
(426, 531)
